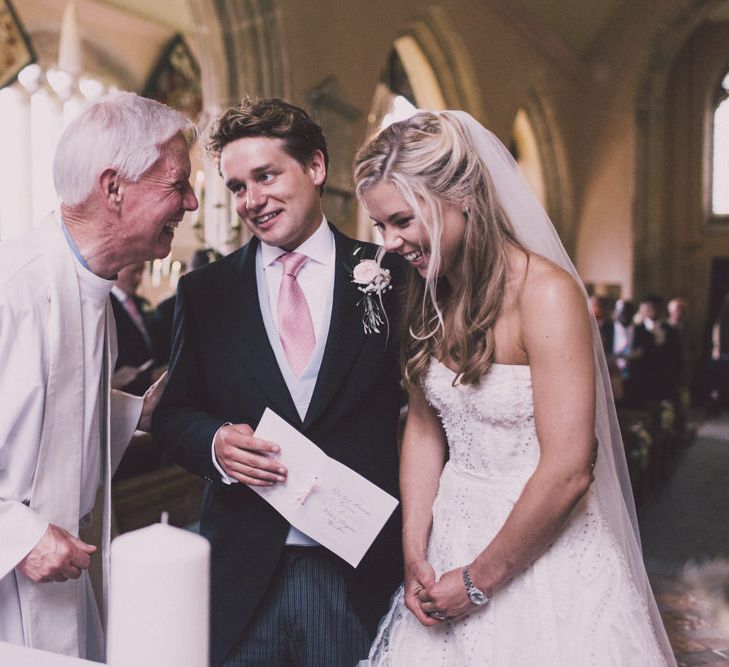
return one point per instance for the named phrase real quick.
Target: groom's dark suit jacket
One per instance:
(223, 369)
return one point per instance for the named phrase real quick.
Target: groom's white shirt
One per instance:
(316, 279)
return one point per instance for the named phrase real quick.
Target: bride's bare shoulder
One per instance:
(548, 289)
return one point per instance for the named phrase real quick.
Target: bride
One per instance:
(519, 529)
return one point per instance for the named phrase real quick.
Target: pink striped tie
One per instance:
(295, 327)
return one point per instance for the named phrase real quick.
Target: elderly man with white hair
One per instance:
(121, 171)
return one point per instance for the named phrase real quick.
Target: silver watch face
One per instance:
(477, 597)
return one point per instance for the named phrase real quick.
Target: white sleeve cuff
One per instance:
(125, 413)
(21, 529)
(223, 476)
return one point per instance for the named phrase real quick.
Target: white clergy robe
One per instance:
(61, 430)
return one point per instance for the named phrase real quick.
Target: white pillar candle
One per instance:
(197, 215)
(69, 50)
(216, 216)
(156, 272)
(159, 598)
(175, 271)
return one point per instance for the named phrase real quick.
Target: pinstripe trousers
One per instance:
(305, 619)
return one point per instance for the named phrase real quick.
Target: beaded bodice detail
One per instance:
(490, 426)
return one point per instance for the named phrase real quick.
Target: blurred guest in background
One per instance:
(678, 312)
(601, 309)
(624, 352)
(661, 360)
(716, 372)
(679, 315)
(134, 332)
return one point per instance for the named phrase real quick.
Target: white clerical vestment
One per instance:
(61, 430)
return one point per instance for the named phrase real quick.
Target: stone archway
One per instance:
(439, 41)
(559, 199)
(242, 52)
(675, 249)
(439, 72)
(437, 38)
(651, 251)
(241, 46)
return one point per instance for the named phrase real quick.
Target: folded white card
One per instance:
(323, 498)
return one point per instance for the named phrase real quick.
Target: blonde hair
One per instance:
(431, 160)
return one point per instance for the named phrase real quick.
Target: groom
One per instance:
(278, 324)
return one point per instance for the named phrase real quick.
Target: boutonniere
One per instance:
(373, 281)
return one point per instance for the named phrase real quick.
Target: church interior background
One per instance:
(616, 110)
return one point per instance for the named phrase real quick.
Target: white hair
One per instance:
(120, 130)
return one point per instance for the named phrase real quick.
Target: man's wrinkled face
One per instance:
(152, 207)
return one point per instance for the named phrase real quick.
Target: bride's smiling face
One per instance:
(404, 234)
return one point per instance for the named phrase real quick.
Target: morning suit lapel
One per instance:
(251, 340)
(346, 334)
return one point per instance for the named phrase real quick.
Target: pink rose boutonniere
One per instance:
(373, 281)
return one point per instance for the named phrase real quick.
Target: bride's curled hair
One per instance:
(431, 160)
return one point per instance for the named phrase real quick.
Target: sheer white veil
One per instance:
(612, 484)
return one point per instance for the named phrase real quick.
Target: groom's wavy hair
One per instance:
(431, 160)
(273, 118)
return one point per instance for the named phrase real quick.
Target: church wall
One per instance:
(607, 160)
(593, 97)
(692, 240)
(351, 42)
(330, 54)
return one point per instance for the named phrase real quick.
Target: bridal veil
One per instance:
(612, 483)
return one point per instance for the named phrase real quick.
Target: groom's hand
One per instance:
(246, 458)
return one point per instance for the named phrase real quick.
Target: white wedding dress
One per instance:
(576, 605)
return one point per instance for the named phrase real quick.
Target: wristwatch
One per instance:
(475, 594)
